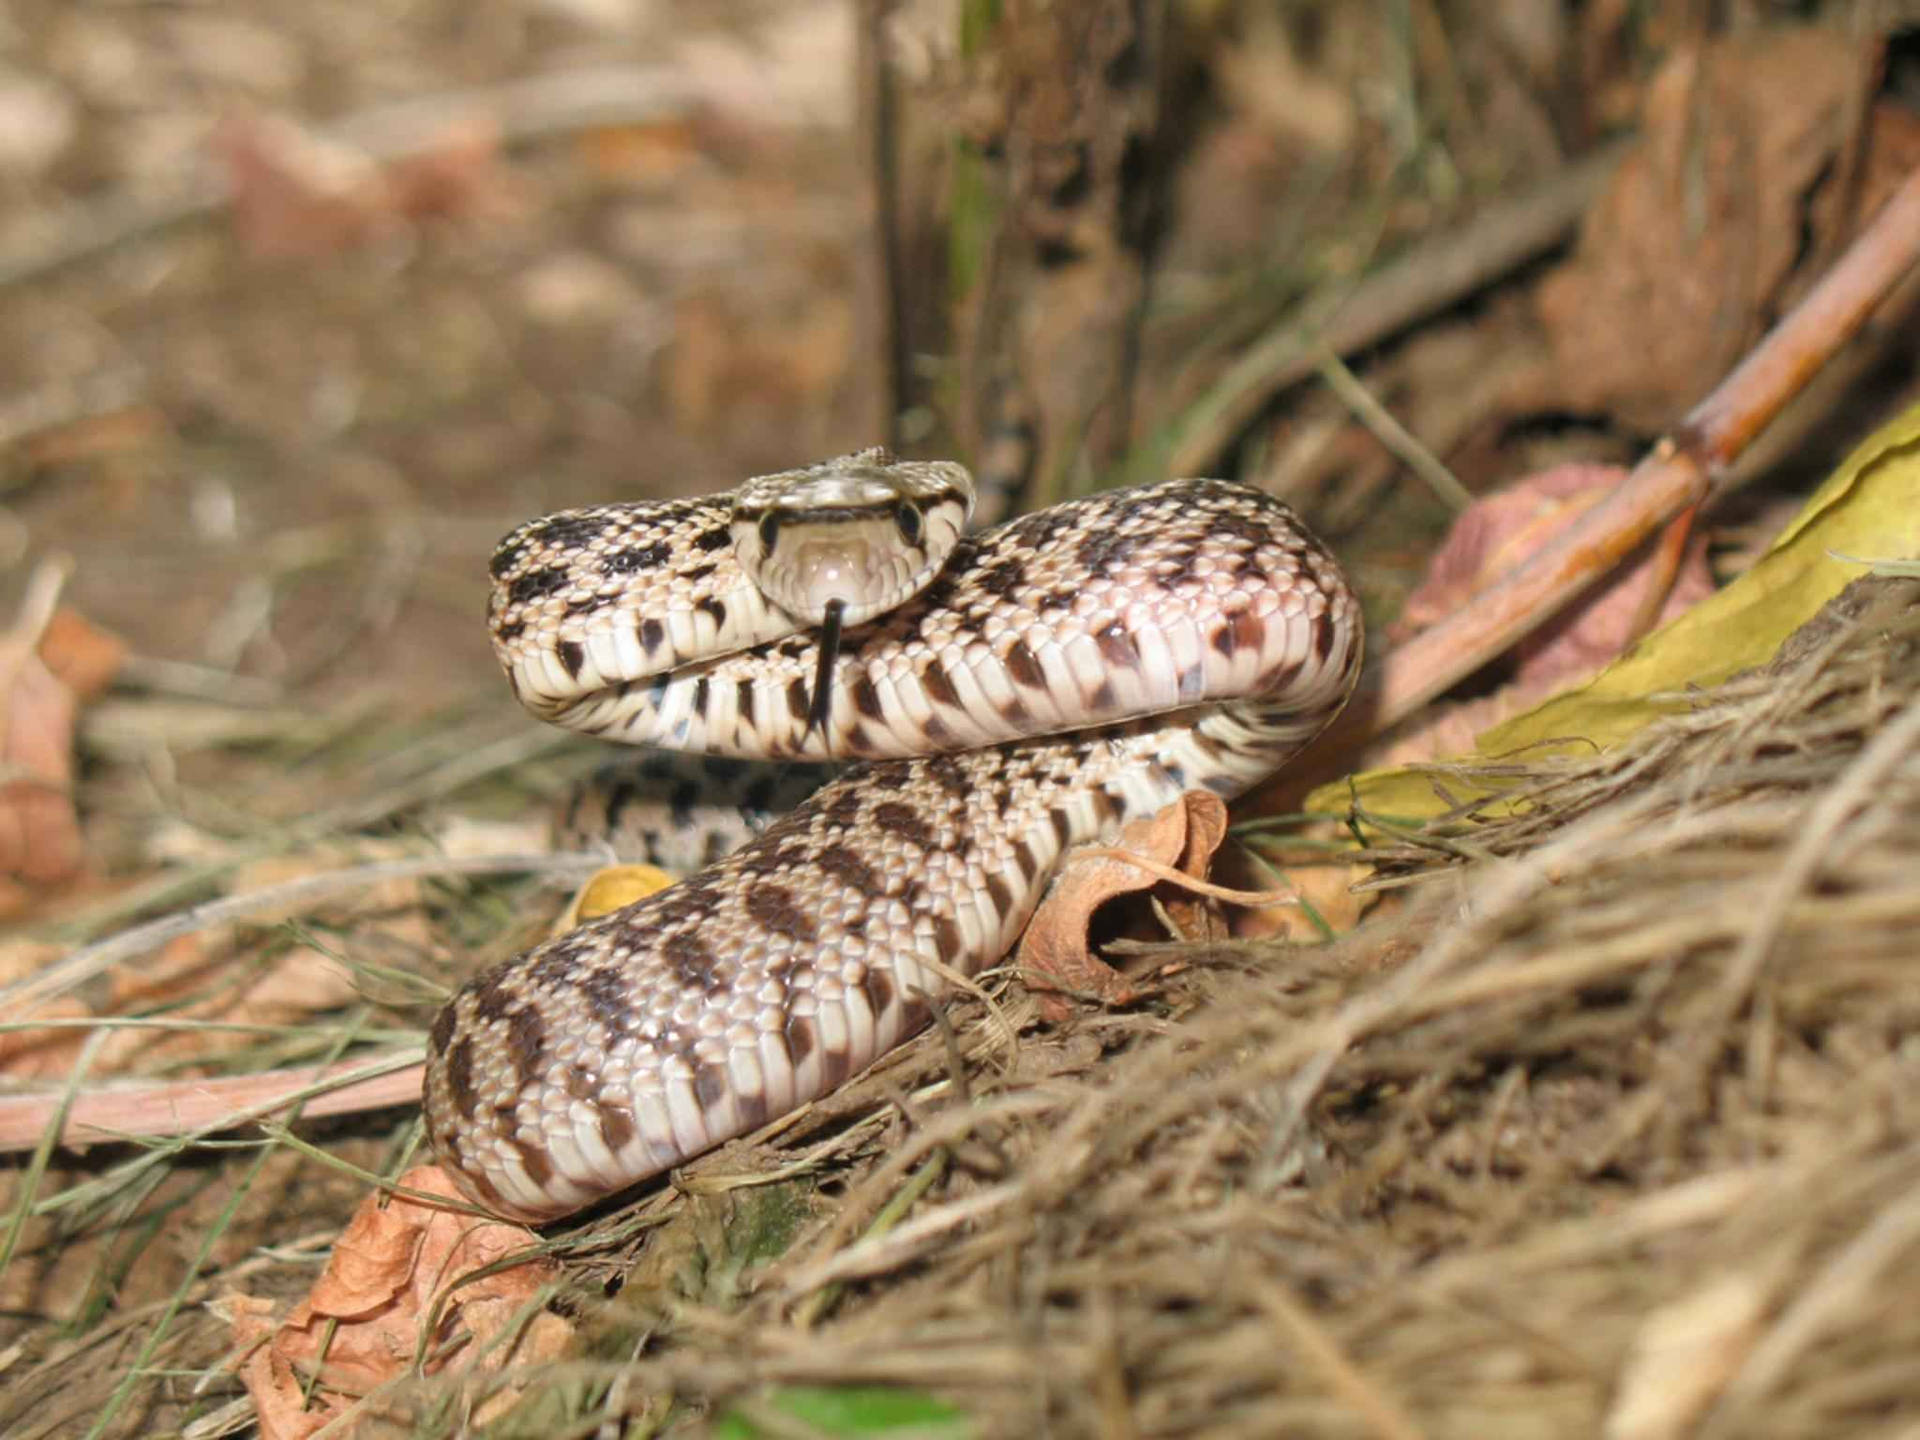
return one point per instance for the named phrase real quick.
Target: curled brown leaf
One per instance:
(395, 1294)
(1056, 952)
(49, 660)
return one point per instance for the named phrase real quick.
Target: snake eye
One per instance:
(769, 530)
(907, 516)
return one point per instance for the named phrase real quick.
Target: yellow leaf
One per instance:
(1870, 507)
(614, 888)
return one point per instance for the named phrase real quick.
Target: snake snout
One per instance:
(838, 566)
(817, 573)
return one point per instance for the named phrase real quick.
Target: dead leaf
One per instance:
(216, 974)
(641, 156)
(387, 896)
(1055, 953)
(1686, 258)
(40, 840)
(393, 1274)
(206, 977)
(458, 177)
(191, 978)
(81, 655)
(39, 828)
(1194, 916)
(102, 438)
(220, 974)
(1325, 890)
(1492, 537)
(611, 889)
(297, 194)
(1501, 530)
(38, 1054)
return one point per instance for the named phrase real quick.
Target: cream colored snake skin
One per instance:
(1063, 673)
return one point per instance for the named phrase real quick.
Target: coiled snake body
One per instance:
(1057, 676)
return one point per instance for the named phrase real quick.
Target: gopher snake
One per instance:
(1180, 635)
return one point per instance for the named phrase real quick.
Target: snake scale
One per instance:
(1008, 695)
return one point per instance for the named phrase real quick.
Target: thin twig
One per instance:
(1193, 884)
(881, 294)
(1391, 433)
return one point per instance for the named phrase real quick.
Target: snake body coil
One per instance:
(1063, 673)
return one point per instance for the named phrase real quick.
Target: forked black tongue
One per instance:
(822, 704)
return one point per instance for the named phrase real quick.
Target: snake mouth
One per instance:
(821, 568)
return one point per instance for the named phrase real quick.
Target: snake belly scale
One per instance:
(1061, 674)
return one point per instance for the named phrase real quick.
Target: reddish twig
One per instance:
(1664, 569)
(189, 1107)
(1682, 470)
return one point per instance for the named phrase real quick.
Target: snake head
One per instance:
(856, 536)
